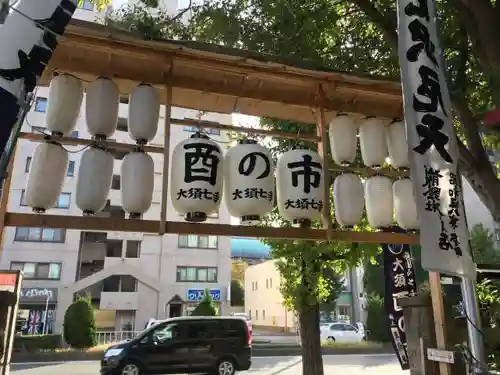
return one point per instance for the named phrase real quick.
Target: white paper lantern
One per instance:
(405, 207)
(249, 181)
(343, 133)
(63, 107)
(349, 200)
(300, 186)
(378, 200)
(137, 183)
(143, 113)
(196, 178)
(94, 180)
(372, 141)
(101, 109)
(397, 145)
(46, 176)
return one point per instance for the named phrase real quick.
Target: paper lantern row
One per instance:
(377, 141)
(245, 177)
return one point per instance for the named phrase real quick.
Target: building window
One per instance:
(115, 182)
(63, 201)
(40, 104)
(204, 130)
(199, 274)
(86, 5)
(122, 124)
(28, 164)
(133, 249)
(267, 283)
(43, 271)
(38, 130)
(256, 314)
(40, 235)
(71, 169)
(263, 314)
(194, 241)
(249, 314)
(74, 134)
(213, 215)
(270, 283)
(70, 172)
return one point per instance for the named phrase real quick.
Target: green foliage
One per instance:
(237, 293)
(377, 322)
(79, 324)
(483, 248)
(205, 307)
(37, 343)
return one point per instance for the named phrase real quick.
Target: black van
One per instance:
(213, 345)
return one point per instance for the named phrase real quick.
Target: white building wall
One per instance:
(159, 256)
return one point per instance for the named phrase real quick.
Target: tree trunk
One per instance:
(312, 360)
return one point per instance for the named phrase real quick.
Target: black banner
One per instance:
(400, 282)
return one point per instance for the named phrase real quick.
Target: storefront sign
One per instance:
(197, 294)
(8, 281)
(38, 295)
(399, 282)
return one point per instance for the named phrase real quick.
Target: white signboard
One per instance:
(438, 355)
(432, 144)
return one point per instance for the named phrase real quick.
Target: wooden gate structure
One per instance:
(217, 79)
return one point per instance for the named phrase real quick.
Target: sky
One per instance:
(118, 3)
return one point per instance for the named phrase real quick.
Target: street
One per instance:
(343, 364)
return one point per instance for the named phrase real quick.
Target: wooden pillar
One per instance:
(419, 330)
(166, 156)
(439, 318)
(323, 151)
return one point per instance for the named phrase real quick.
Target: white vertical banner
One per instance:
(432, 143)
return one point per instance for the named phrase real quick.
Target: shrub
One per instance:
(79, 324)
(37, 343)
(205, 307)
(377, 322)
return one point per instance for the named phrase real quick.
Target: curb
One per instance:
(257, 351)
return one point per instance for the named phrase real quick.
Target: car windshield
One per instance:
(324, 324)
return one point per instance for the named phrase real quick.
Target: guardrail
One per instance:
(109, 337)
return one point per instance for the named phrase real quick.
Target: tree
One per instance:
(79, 324)
(482, 243)
(238, 268)
(237, 293)
(309, 278)
(205, 306)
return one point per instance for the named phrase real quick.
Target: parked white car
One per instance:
(341, 332)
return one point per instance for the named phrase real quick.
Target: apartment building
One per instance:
(130, 277)
(264, 302)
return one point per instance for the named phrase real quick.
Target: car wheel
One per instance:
(131, 368)
(331, 338)
(226, 366)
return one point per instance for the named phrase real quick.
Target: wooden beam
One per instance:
(131, 46)
(323, 147)
(151, 226)
(389, 107)
(166, 158)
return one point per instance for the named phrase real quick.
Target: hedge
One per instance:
(37, 343)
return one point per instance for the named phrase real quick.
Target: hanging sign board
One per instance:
(400, 282)
(432, 145)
